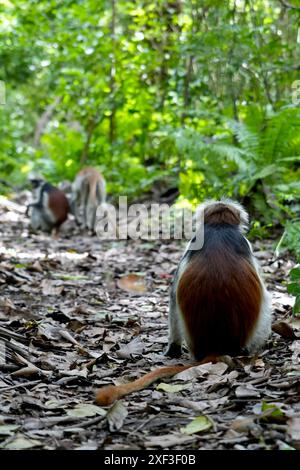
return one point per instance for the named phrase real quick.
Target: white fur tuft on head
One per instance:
(236, 206)
(34, 176)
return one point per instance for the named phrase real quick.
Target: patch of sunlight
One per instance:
(183, 203)
(11, 217)
(26, 168)
(38, 255)
(69, 255)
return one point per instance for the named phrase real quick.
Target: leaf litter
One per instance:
(78, 313)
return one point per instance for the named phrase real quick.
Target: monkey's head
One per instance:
(35, 180)
(223, 211)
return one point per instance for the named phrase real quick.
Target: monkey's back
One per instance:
(90, 185)
(58, 204)
(219, 293)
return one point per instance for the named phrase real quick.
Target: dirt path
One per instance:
(68, 326)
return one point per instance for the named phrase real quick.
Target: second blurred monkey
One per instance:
(49, 208)
(88, 191)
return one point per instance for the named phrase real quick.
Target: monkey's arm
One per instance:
(175, 318)
(36, 205)
(175, 328)
(27, 209)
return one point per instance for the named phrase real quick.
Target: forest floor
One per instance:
(71, 321)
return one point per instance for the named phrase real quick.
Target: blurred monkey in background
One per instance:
(50, 206)
(88, 192)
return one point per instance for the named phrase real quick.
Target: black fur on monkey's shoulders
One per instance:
(48, 187)
(221, 237)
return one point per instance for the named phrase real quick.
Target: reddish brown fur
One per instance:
(109, 394)
(220, 213)
(220, 303)
(59, 205)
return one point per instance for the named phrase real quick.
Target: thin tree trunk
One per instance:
(89, 133)
(43, 121)
(186, 88)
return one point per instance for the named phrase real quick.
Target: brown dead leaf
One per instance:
(242, 424)
(283, 329)
(50, 288)
(7, 305)
(133, 283)
(29, 371)
(36, 266)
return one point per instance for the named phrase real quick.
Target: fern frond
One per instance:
(281, 135)
(248, 139)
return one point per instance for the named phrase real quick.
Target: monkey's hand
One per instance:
(174, 350)
(27, 209)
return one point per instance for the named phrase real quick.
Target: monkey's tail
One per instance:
(109, 394)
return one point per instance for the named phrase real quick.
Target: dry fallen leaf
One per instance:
(295, 322)
(7, 305)
(116, 416)
(295, 347)
(84, 410)
(242, 424)
(36, 266)
(246, 391)
(283, 329)
(50, 288)
(168, 440)
(169, 388)
(21, 442)
(8, 429)
(133, 283)
(294, 428)
(135, 347)
(201, 371)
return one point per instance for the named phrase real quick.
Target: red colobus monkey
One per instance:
(88, 191)
(50, 207)
(218, 302)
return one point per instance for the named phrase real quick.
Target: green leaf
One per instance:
(8, 429)
(275, 410)
(295, 274)
(199, 424)
(267, 171)
(293, 288)
(22, 442)
(296, 308)
(69, 277)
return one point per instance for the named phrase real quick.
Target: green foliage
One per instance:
(199, 93)
(257, 159)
